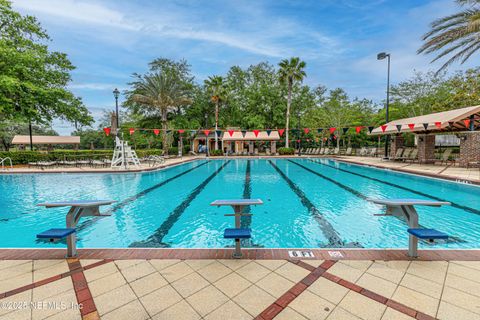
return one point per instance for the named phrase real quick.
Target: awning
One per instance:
(46, 139)
(250, 136)
(444, 119)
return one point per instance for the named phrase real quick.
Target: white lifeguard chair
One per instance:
(124, 155)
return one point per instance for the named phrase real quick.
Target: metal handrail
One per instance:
(2, 162)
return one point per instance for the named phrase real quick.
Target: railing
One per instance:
(3, 160)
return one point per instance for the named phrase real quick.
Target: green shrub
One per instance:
(216, 153)
(286, 151)
(24, 157)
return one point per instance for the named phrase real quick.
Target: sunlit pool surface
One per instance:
(307, 203)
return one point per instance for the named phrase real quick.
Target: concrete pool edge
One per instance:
(256, 254)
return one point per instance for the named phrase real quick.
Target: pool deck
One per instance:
(224, 288)
(449, 172)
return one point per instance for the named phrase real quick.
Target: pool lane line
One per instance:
(453, 204)
(247, 194)
(334, 240)
(155, 240)
(364, 197)
(87, 223)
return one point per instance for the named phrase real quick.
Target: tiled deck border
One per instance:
(169, 253)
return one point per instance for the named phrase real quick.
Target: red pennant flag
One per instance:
(298, 140)
(306, 130)
(230, 132)
(107, 131)
(206, 132)
(466, 122)
(156, 131)
(358, 129)
(438, 125)
(281, 131)
(256, 132)
(384, 127)
(131, 131)
(181, 131)
(332, 130)
(411, 126)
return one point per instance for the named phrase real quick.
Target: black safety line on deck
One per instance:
(334, 240)
(359, 194)
(155, 240)
(455, 205)
(87, 223)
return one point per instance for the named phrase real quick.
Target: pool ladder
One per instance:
(3, 161)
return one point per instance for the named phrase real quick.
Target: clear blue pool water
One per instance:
(307, 203)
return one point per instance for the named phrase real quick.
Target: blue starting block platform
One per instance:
(78, 209)
(55, 234)
(405, 208)
(237, 233)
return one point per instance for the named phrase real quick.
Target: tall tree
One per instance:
(33, 79)
(290, 71)
(457, 35)
(157, 94)
(216, 87)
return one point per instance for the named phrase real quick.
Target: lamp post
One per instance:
(381, 56)
(116, 94)
(299, 135)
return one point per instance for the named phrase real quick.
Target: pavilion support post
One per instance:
(397, 143)
(469, 148)
(273, 147)
(426, 148)
(250, 147)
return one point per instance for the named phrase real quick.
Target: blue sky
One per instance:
(108, 40)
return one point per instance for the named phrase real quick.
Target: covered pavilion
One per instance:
(463, 122)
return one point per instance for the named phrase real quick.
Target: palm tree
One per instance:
(158, 93)
(216, 87)
(457, 34)
(290, 71)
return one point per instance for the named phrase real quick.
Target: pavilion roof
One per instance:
(445, 118)
(19, 139)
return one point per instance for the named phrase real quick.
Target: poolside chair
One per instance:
(349, 151)
(327, 151)
(405, 155)
(363, 152)
(317, 151)
(336, 151)
(398, 154)
(413, 156)
(373, 152)
(322, 151)
(444, 157)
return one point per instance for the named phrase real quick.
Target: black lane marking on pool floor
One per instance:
(247, 194)
(455, 205)
(362, 196)
(334, 240)
(87, 223)
(156, 239)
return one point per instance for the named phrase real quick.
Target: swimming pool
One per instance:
(307, 203)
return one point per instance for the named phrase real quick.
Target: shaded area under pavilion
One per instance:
(463, 122)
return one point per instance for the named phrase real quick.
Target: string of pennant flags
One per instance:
(281, 132)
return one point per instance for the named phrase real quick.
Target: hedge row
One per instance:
(286, 151)
(24, 157)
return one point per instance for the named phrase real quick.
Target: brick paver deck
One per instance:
(238, 289)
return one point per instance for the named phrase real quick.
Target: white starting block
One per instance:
(238, 232)
(406, 208)
(78, 209)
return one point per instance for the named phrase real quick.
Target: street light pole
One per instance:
(381, 56)
(299, 135)
(116, 94)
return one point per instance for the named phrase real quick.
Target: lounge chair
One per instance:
(317, 152)
(348, 152)
(398, 154)
(413, 156)
(373, 152)
(336, 151)
(363, 152)
(327, 151)
(405, 155)
(444, 158)
(322, 151)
